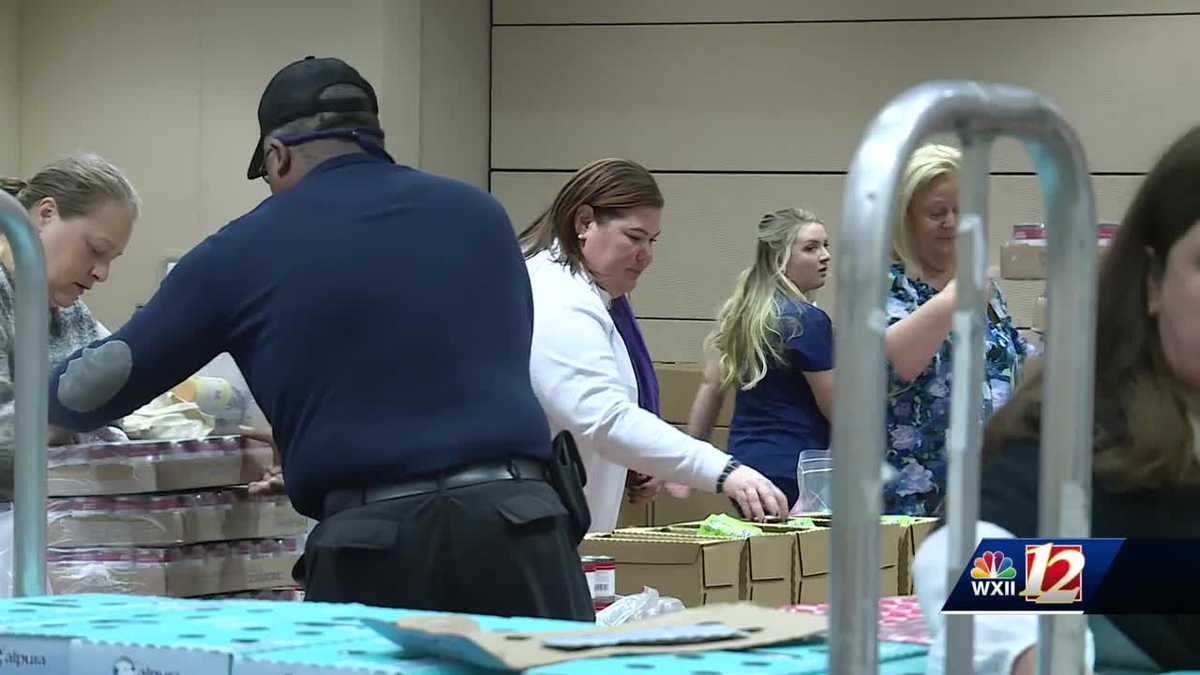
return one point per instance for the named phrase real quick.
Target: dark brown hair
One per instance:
(1142, 435)
(609, 186)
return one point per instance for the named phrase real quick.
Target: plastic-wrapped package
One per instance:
(154, 466)
(177, 571)
(636, 607)
(221, 391)
(162, 520)
(168, 417)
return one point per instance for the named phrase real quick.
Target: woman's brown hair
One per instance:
(609, 186)
(1142, 435)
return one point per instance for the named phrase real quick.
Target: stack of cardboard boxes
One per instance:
(787, 564)
(167, 518)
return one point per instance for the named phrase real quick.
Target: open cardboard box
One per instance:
(784, 556)
(772, 563)
(890, 538)
(697, 571)
(914, 535)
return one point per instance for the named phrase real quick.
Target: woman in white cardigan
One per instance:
(589, 364)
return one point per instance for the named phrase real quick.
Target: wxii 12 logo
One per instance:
(1053, 574)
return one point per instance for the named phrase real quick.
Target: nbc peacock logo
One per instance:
(993, 574)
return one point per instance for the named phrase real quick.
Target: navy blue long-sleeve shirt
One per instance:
(382, 318)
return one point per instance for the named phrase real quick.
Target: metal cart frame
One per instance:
(977, 113)
(31, 354)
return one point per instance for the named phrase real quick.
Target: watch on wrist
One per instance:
(729, 468)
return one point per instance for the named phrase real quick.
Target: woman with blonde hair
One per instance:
(589, 364)
(776, 349)
(83, 209)
(919, 306)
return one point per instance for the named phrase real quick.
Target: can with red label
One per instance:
(601, 573)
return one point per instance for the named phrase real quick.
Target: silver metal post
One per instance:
(31, 358)
(1065, 504)
(964, 438)
(977, 113)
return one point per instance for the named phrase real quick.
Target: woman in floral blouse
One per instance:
(919, 307)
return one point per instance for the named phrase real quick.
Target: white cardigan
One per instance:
(584, 379)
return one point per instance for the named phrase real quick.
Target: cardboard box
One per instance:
(460, 639)
(696, 571)
(635, 515)
(914, 536)
(889, 582)
(773, 563)
(809, 557)
(814, 590)
(813, 547)
(1023, 260)
(677, 386)
(891, 536)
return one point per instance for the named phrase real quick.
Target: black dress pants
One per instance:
(501, 548)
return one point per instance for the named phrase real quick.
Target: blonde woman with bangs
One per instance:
(775, 348)
(919, 306)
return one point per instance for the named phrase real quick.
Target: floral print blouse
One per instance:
(918, 412)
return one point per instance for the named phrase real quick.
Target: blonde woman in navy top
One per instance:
(776, 349)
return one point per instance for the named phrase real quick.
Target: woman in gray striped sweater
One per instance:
(83, 208)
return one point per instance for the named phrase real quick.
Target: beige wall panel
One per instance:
(10, 87)
(708, 230)
(678, 340)
(455, 56)
(709, 223)
(119, 79)
(236, 63)
(396, 50)
(641, 11)
(169, 91)
(764, 97)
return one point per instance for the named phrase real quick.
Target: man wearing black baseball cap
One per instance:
(382, 317)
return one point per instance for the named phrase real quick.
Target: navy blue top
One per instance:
(382, 318)
(779, 417)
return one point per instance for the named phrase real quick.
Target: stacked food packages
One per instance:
(1023, 258)
(168, 518)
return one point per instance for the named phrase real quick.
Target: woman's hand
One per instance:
(756, 496)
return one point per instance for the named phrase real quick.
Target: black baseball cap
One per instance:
(295, 92)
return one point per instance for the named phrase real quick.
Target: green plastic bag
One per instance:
(727, 527)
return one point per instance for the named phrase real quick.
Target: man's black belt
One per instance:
(487, 472)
